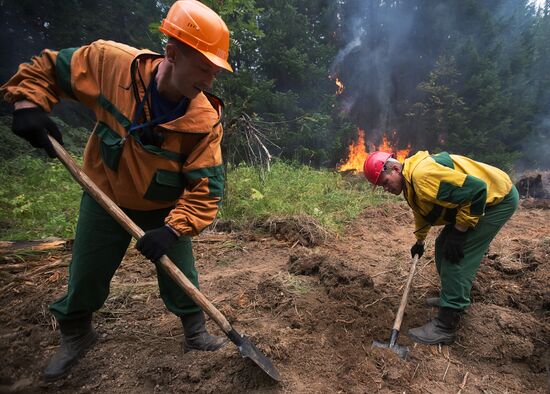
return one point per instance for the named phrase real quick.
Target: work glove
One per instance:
(34, 125)
(417, 248)
(453, 248)
(156, 243)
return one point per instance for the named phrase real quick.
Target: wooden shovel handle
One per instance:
(133, 229)
(404, 298)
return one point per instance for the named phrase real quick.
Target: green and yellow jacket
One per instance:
(184, 172)
(443, 189)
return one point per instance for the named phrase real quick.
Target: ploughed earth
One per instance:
(312, 307)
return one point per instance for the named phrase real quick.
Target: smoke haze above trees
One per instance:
(468, 76)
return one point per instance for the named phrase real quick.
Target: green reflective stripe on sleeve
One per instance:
(479, 194)
(110, 107)
(444, 159)
(474, 191)
(215, 177)
(63, 70)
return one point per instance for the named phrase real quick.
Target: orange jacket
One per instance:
(184, 172)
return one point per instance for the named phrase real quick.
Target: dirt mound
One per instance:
(341, 281)
(505, 335)
(518, 278)
(303, 230)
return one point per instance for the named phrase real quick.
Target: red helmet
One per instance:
(374, 165)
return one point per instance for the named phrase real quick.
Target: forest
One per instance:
(469, 77)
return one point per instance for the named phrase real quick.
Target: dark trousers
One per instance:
(99, 246)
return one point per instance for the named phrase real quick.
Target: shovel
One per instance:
(247, 348)
(402, 351)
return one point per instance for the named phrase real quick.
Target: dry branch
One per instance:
(40, 245)
(463, 384)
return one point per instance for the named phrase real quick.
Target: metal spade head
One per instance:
(248, 350)
(401, 351)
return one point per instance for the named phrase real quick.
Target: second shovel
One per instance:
(402, 351)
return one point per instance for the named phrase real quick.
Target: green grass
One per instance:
(294, 284)
(39, 199)
(289, 190)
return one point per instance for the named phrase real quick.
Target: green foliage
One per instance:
(12, 146)
(483, 104)
(38, 199)
(293, 189)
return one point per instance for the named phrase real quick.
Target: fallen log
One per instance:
(34, 246)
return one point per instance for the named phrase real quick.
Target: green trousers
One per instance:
(457, 279)
(99, 246)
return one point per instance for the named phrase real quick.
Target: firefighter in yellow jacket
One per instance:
(472, 200)
(155, 151)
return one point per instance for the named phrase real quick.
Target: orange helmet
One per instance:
(374, 165)
(196, 25)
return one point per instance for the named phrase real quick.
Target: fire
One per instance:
(358, 152)
(340, 86)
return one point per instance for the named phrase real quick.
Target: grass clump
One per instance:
(294, 190)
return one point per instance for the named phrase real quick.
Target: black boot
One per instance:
(433, 302)
(77, 336)
(196, 336)
(442, 329)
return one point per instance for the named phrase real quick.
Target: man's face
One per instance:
(193, 73)
(391, 180)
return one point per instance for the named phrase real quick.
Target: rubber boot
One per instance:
(442, 329)
(433, 302)
(77, 337)
(196, 336)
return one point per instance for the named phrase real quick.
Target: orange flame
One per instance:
(358, 152)
(340, 86)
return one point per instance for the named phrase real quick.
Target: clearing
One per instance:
(314, 310)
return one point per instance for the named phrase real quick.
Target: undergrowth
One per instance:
(292, 190)
(39, 199)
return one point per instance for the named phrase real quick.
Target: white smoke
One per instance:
(350, 46)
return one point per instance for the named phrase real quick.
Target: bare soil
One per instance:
(314, 311)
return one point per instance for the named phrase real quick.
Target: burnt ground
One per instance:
(314, 311)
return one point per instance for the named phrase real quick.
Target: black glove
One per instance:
(417, 249)
(156, 243)
(453, 248)
(34, 125)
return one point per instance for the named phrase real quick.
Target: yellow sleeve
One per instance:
(421, 227)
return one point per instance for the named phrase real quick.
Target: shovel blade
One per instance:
(248, 350)
(401, 351)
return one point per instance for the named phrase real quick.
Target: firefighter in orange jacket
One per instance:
(155, 151)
